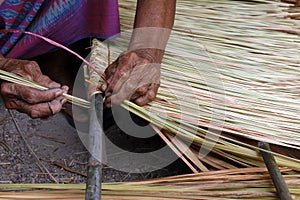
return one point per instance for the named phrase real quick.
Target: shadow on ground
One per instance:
(55, 144)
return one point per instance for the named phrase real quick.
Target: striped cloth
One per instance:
(65, 21)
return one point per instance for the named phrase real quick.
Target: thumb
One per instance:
(46, 81)
(54, 84)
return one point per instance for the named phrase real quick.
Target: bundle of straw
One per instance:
(257, 66)
(246, 83)
(248, 183)
(13, 78)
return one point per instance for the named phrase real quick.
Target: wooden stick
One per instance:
(277, 178)
(94, 175)
(67, 168)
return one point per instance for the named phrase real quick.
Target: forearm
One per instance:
(153, 23)
(155, 13)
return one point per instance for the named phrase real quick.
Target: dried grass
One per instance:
(244, 83)
(249, 183)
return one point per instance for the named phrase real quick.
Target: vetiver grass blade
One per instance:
(242, 44)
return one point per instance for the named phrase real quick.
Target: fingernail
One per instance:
(54, 85)
(103, 87)
(58, 93)
(63, 101)
(65, 88)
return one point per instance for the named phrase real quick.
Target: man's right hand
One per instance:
(35, 103)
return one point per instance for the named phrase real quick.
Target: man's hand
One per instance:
(135, 75)
(35, 103)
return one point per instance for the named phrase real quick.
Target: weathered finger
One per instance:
(33, 69)
(141, 91)
(132, 89)
(149, 96)
(54, 84)
(41, 110)
(103, 87)
(46, 81)
(124, 65)
(34, 96)
(22, 73)
(119, 78)
(56, 105)
(8, 89)
(111, 69)
(107, 101)
(28, 94)
(32, 66)
(128, 88)
(65, 89)
(108, 73)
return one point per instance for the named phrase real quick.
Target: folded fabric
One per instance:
(65, 21)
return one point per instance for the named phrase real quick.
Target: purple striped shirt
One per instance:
(64, 21)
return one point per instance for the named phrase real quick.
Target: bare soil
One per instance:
(58, 148)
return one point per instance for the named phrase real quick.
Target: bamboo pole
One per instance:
(96, 148)
(278, 181)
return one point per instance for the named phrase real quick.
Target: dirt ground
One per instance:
(58, 148)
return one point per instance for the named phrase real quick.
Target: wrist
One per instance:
(153, 55)
(150, 37)
(150, 42)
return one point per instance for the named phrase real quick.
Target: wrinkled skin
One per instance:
(35, 103)
(134, 76)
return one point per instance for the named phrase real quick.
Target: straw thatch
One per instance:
(230, 67)
(249, 183)
(247, 88)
